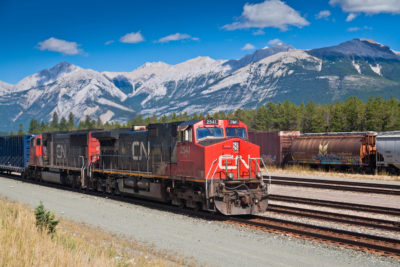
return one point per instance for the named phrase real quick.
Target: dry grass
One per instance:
(307, 171)
(21, 244)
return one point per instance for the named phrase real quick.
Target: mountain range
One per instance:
(358, 67)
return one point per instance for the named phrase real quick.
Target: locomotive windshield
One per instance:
(209, 133)
(236, 132)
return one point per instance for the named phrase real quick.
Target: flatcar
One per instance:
(203, 164)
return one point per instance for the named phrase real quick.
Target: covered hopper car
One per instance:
(355, 149)
(203, 164)
(388, 151)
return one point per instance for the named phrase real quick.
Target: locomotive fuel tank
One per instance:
(334, 149)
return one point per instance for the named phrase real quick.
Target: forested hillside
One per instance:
(376, 114)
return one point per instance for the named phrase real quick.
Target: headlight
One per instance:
(235, 146)
(230, 175)
(259, 175)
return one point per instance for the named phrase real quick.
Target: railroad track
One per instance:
(387, 225)
(359, 241)
(387, 189)
(336, 204)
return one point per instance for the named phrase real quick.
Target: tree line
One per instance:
(376, 114)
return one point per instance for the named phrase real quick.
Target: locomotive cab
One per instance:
(218, 153)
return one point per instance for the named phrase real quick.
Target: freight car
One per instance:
(203, 164)
(14, 153)
(388, 151)
(274, 146)
(343, 150)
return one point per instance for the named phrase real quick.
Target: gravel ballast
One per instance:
(209, 243)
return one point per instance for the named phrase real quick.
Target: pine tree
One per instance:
(63, 125)
(20, 130)
(54, 121)
(45, 220)
(71, 121)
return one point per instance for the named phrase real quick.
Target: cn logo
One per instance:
(139, 150)
(222, 163)
(60, 151)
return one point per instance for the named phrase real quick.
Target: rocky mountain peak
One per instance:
(363, 48)
(257, 56)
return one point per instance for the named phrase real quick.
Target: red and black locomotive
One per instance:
(203, 164)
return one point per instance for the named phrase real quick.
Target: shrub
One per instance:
(45, 219)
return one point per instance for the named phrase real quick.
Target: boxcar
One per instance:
(274, 146)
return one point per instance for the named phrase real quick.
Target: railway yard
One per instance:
(309, 221)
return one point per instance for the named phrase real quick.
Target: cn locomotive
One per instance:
(203, 164)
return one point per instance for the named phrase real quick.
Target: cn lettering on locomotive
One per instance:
(139, 150)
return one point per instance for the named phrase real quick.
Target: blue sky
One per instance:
(122, 35)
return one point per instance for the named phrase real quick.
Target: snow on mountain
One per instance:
(356, 66)
(5, 87)
(274, 67)
(257, 55)
(67, 88)
(376, 69)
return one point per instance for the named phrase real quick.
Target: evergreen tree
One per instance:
(54, 121)
(63, 125)
(20, 130)
(71, 121)
(34, 126)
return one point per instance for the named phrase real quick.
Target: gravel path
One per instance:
(208, 243)
(392, 201)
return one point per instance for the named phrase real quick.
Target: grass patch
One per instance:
(73, 244)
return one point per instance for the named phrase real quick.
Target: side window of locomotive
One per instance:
(38, 142)
(188, 135)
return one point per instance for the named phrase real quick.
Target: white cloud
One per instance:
(58, 45)
(176, 37)
(350, 17)
(274, 42)
(132, 38)
(258, 32)
(109, 42)
(368, 6)
(353, 29)
(323, 14)
(248, 47)
(270, 13)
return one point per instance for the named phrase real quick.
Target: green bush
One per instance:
(45, 220)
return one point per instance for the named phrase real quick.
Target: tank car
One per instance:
(388, 151)
(356, 150)
(203, 164)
